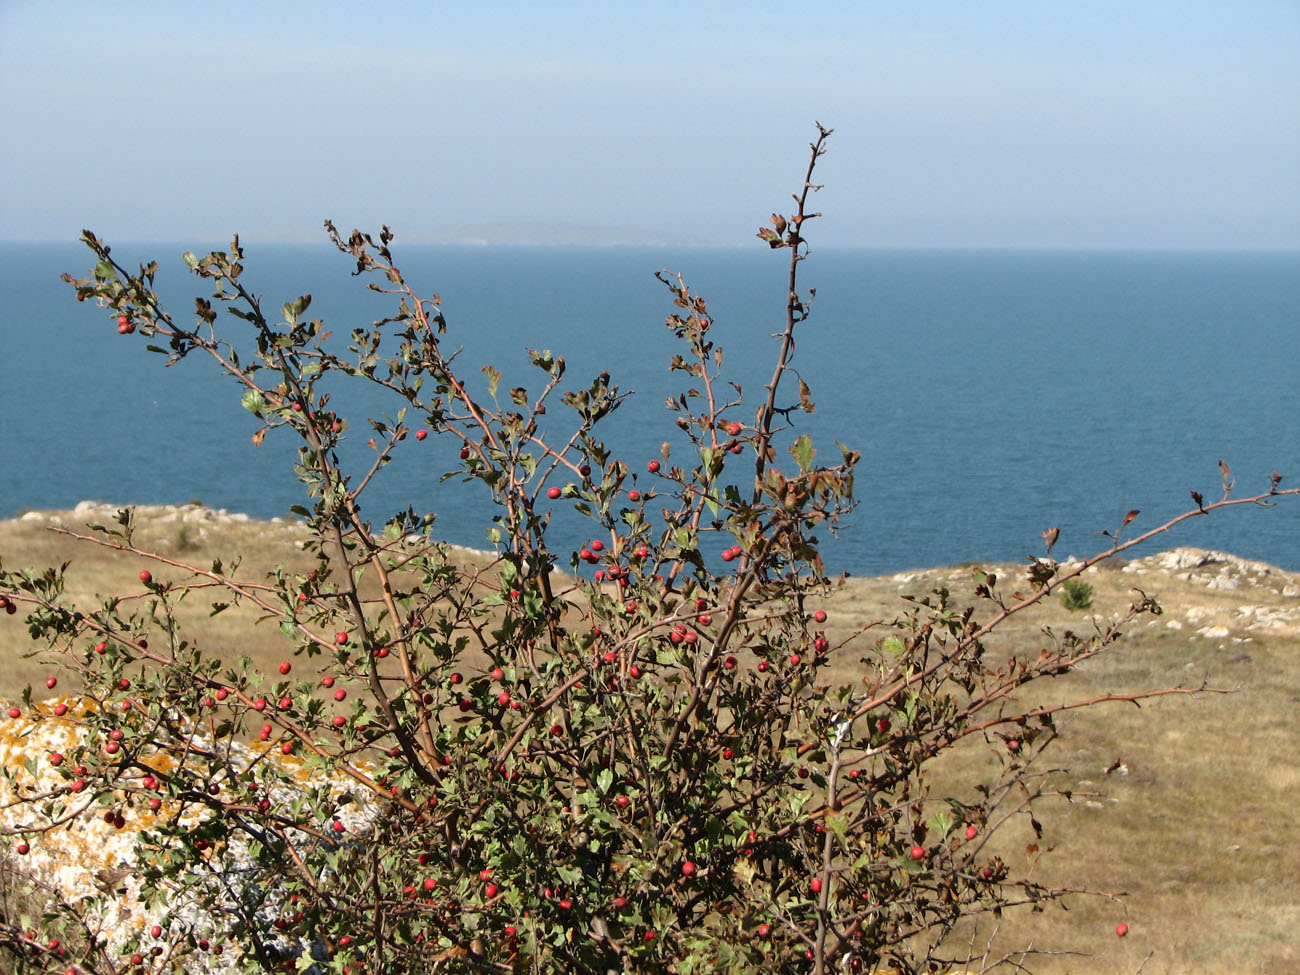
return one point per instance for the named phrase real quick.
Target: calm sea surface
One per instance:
(992, 394)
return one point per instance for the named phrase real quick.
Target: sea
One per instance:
(993, 394)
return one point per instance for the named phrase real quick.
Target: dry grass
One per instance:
(1197, 826)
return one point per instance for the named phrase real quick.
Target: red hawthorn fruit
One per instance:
(101, 647)
(327, 681)
(918, 852)
(820, 616)
(634, 671)
(653, 467)
(285, 667)
(762, 666)
(553, 493)
(51, 682)
(620, 902)
(464, 453)
(1013, 745)
(340, 638)
(155, 932)
(22, 849)
(597, 545)
(816, 885)
(634, 496)
(490, 891)
(15, 713)
(972, 832)
(339, 721)
(688, 868)
(455, 678)
(498, 674)
(60, 709)
(145, 576)
(421, 434)
(734, 429)
(56, 759)
(340, 694)
(1121, 929)
(764, 930)
(585, 470)
(259, 704)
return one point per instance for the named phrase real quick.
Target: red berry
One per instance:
(15, 713)
(340, 638)
(764, 930)
(971, 832)
(816, 885)
(653, 467)
(51, 682)
(339, 721)
(285, 667)
(688, 868)
(340, 694)
(327, 681)
(145, 576)
(498, 673)
(22, 849)
(820, 616)
(734, 429)
(421, 434)
(634, 496)
(1121, 929)
(553, 493)
(464, 453)
(101, 647)
(918, 852)
(56, 759)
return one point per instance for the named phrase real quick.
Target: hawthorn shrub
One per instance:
(621, 759)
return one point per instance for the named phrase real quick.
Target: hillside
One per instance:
(1186, 803)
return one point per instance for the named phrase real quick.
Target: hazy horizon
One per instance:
(1069, 125)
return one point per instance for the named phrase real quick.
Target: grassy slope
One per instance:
(1196, 826)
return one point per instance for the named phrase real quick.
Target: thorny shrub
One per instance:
(620, 759)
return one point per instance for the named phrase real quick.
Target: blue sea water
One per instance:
(992, 393)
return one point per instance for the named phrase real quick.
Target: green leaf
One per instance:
(802, 451)
(253, 402)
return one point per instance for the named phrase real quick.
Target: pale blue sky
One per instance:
(1036, 123)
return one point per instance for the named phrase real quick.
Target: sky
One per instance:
(1133, 124)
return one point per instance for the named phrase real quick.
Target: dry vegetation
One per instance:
(1193, 820)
